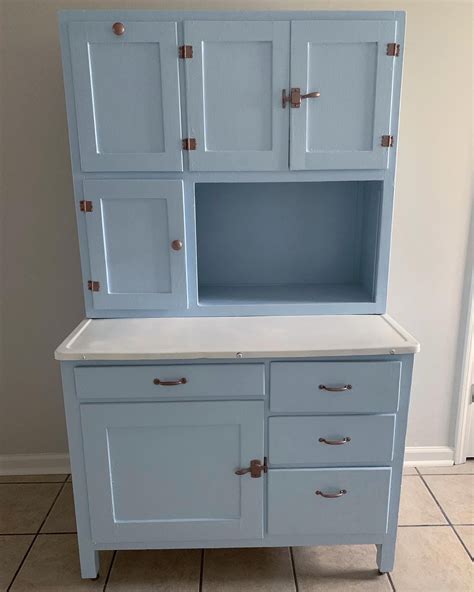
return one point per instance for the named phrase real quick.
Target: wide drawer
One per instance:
(171, 381)
(296, 502)
(335, 387)
(331, 440)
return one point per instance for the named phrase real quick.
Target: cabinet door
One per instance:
(165, 471)
(347, 63)
(130, 231)
(233, 90)
(127, 96)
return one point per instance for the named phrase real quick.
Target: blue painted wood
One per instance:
(203, 381)
(165, 471)
(233, 89)
(295, 441)
(127, 96)
(347, 63)
(369, 387)
(129, 231)
(295, 508)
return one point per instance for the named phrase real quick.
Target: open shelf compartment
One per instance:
(287, 243)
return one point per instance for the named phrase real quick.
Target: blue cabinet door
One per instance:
(127, 96)
(347, 63)
(165, 471)
(233, 90)
(130, 233)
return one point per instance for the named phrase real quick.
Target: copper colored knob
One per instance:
(177, 245)
(118, 28)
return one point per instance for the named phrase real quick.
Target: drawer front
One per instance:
(173, 381)
(335, 387)
(364, 439)
(294, 508)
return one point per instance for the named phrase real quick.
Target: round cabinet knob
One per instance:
(118, 28)
(177, 245)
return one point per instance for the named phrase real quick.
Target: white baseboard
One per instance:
(425, 456)
(34, 464)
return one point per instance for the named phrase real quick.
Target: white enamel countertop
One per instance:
(231, 337)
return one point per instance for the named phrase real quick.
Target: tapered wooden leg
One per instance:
(386, 556)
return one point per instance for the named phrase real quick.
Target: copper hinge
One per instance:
(387, 141)
(255, 469)
(393, 49)
(185, 52)
(189, 144)
(93, 286)
(85, 205)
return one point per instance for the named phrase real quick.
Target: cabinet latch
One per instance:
(93, 286)
(393, 49)
(85, 206)
(387, 141)
(189, 144)
(255, 469)
(185, 52)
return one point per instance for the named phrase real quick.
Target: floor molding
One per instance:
(425, 456)
(34, 464)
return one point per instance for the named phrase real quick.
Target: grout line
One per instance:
(31, 482)
(51, 508)
(295, 578)
(201, 571)
(391, 582)
(21, 564)
(422, 525)
(109, 571)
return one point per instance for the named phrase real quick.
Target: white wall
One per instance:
(40, 279)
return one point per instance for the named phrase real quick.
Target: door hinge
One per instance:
(189, 144)
(93, 286)
(393, 49)
(255, 469)
(185, 52)
(387, 141)
(85, 205)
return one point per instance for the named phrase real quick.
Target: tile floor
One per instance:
(38, 549)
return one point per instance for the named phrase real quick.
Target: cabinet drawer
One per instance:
(173, 381)
(295, 508)
(335, 387)
(331, 440)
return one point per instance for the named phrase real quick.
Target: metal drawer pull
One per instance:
(340, 493)
(335, 389)
(170, 382)
(335, 442)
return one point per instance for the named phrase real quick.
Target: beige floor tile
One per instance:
(455, 494)
(12, 551)
(409, 471)
(417, 506)
(466, 468)
(431, 559)
(23, 507)
(341, 568)
(69, 479)
(467, 535)
(62, 518)
(32, 478)
(156, 571)
(52, 565)
(242, 570)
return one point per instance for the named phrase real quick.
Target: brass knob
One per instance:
(177, 245)
(118, 28)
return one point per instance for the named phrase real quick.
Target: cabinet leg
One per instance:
(89, 559)
(386, 556)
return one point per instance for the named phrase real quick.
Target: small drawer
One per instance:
(335, 387)
(331, 440)
(328, 501)
(173, 381)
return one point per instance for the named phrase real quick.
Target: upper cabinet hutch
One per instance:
(241, 166)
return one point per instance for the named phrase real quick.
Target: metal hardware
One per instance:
(185, 52)
(170, 382)
(335, 442)
(340, 493)
(335, 389)
(189, 143)
(85, 205)
(255, 469)
(295, 97)
(387, 141)
(118, 28)
(93, 286)
(393, 49)
(177, 245)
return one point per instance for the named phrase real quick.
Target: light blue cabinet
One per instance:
(135, 234)
(127, 95)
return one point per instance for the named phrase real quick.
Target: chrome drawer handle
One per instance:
(170, 382)
(335, 442)
(340, 493)
(335, 389)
